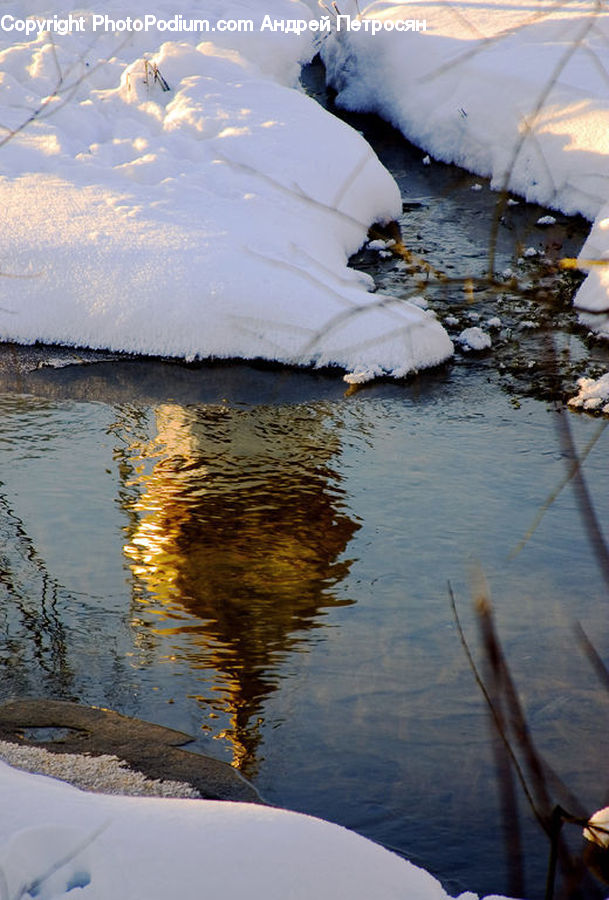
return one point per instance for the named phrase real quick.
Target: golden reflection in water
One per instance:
(237, 543)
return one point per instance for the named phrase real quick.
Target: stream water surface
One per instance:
(261, 557)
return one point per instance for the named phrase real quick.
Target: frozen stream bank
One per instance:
(252, 557)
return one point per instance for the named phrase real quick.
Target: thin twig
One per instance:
(573, 467)
(593, 655)
(491, 705)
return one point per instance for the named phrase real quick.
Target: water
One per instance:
(261, 557)
(454, 231)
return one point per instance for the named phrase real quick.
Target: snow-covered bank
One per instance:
(517, 92)
(124, 847)
(180, 197)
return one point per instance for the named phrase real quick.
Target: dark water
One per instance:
(261, 557)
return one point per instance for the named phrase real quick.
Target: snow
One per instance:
(593, 394)
(515, 92)
(215, 218)
(379, 244)
(594, 259)
(474, 338)
(105, 773)
(420, 301)
(125, 847)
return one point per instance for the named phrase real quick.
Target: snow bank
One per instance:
(126, 847)
(179, 197)
(517, 92)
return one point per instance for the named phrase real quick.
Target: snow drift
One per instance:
(182, 198)
(56, 840)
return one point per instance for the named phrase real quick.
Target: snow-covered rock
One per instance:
(593, 394)
(475, 338)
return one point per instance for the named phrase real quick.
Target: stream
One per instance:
(261, 557)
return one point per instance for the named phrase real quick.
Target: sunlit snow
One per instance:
(55, 839)
(593, 394)
(171, 195)
(516, 92)
(182, 197)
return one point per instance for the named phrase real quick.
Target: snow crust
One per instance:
(104, 773)
(516, 92)
(213, 218)
(104, 846)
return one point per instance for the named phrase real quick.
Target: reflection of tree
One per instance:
(49, 634)
(241, 526)
(33, 642)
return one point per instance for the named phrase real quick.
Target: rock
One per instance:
(63, 727)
